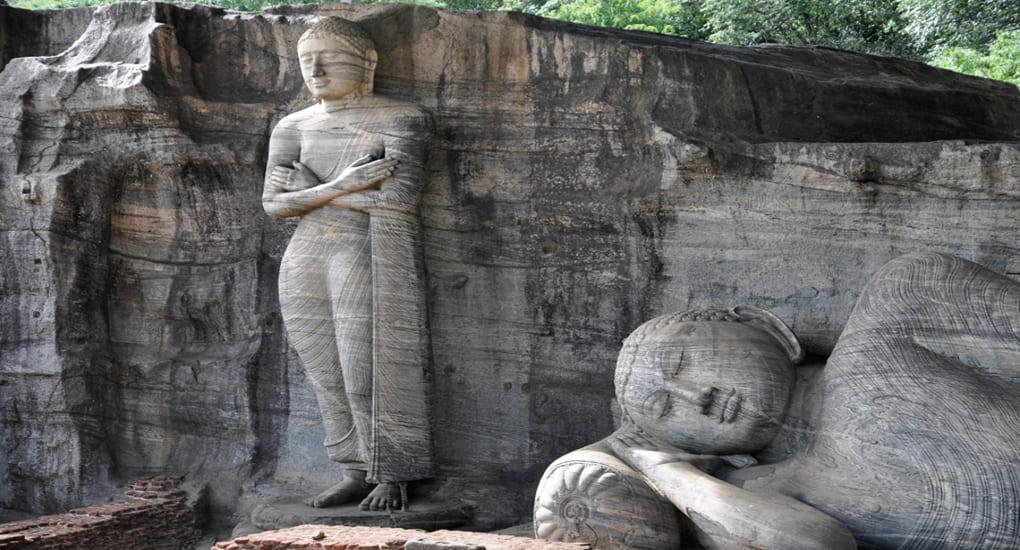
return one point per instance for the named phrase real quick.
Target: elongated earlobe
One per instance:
(773, 325)
(371, 61)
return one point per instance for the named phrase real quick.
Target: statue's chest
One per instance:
(328, 146)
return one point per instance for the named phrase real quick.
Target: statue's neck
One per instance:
(346, 102)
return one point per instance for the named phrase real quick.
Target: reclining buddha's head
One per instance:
(712, 381)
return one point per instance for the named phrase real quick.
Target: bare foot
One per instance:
(385, 496)
(352, 488)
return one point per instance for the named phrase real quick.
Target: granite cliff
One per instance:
(583, 180)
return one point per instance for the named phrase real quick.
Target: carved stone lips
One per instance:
(731, 407)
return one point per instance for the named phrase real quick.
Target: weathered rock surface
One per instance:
(581, 182)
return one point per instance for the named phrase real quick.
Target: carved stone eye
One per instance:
(706, 398)
(667, 405)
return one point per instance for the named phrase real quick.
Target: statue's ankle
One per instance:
(355, 475)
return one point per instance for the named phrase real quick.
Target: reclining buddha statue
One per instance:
(911, 440)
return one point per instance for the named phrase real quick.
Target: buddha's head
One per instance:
(714, 382)
(337, 59)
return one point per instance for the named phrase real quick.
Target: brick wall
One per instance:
(152, 515)
(340, 537)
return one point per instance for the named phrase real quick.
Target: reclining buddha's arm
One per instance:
(731, 517)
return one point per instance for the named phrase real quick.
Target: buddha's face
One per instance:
(332, 69)
(709, 387)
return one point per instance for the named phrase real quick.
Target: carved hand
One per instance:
(642, 452)
(294, 179)
(364, 173)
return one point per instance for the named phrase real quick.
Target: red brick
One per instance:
(154, 516)
(341, 537)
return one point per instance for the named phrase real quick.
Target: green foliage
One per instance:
(939, 24)
(481, 5)
(870, 26)
(1002, 62)
(683, 17)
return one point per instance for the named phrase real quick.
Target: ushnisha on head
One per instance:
(709, 381)
(338, 59)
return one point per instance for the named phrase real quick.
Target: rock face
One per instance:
(581, 181)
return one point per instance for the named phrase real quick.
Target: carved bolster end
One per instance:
(591, 496)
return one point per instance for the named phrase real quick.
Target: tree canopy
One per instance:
(979, 37)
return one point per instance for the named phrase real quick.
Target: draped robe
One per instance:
(352, 289)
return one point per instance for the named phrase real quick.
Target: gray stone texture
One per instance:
(581, 181)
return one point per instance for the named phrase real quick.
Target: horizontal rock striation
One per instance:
(582, 181)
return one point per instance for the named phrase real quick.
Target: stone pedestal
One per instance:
(428, 515)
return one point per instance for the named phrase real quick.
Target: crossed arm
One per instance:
(292, 189)
(393, 182)
(728, 516)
